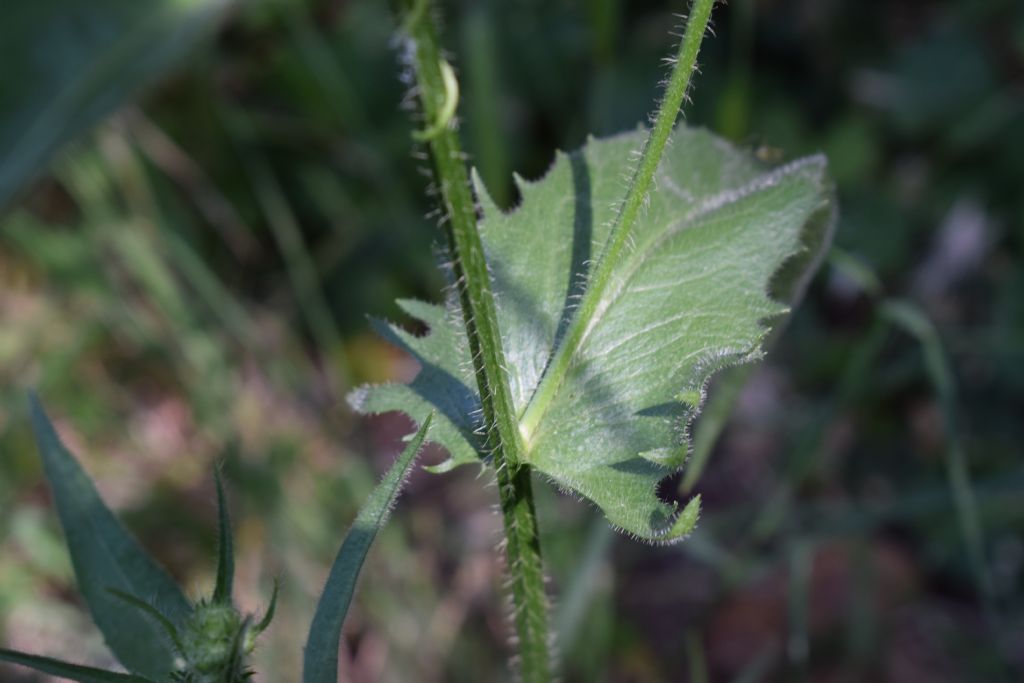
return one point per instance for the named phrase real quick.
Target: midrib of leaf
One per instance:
(705, 209)
(629, 212)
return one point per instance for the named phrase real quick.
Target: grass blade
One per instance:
(225, 547)
(585, 583)
(74, 672)
(916, 323)
(105, 555)
(321, 656)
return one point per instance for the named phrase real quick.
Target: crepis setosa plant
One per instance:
(583, 327)
(579, 337)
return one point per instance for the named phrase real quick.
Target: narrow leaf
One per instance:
(73, 672)
(225, 547)
(916, 323)
(105, 555)
(321, 657)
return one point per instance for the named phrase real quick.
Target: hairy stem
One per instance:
(630, 209)
(438, 91)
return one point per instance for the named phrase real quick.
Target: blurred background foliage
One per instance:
(188, 282)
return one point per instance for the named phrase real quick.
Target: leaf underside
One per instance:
(105, 556)
(722, 233)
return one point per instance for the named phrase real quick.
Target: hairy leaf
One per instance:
(73, 672)
(722, 233)
(321, 655)
(68, 63)
(106, 557)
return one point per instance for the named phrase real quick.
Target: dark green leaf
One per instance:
(69, 63)
(74, 672)
(105, 555)
(321, 656)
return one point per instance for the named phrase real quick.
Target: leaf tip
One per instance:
(268, 616)
(521, 183)
(486, 203)
(440, 468)
(41, 424)
(356, 398)
(685, 522)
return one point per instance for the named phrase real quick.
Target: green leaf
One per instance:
(68, 63)
(74, 672)
(321, 654)
(153, 613)
(225, 547)
(268, 616)
(787, 286)
(722, 232)
(442, 385)
(105, 556)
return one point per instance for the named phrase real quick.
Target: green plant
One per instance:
(149, 625)
(588, 370)
(152, 629)
(576, 343)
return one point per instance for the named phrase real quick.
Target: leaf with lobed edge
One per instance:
(694, 295)
(444, 386)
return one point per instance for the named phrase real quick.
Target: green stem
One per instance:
(629, 211)
(437, 92)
